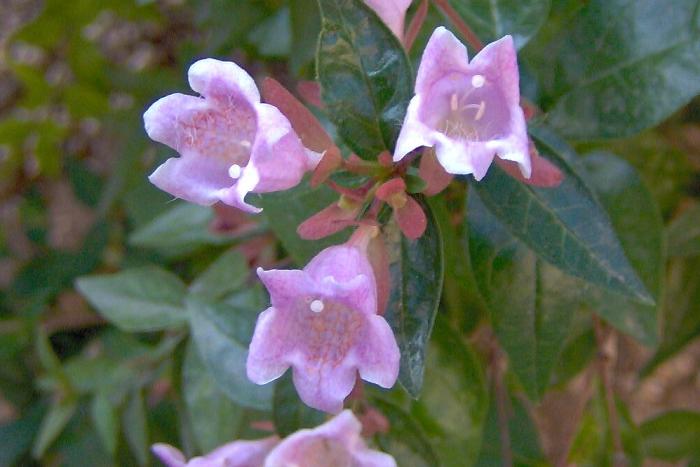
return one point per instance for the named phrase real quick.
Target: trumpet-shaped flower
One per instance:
(323, 322)
(336, 443)
(229, 142)
(392, 12)
(468, 111)
(235, 454)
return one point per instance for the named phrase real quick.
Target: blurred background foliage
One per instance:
(75, 78)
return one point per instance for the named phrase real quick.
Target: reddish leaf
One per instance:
(309, 129)
(433, 173)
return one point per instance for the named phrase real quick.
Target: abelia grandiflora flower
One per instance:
(229, 142)
(236, 454)
(323, 322)
(336, 443)
(467, 111)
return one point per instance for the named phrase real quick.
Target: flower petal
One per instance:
(500, 57)
(378, 354)
(218, 80)
(196, 179)
(269, 352)
(285, 285)
(169, 455)
(443, 54)
(413, 133)
(392, 12)
(325, 386)
(239, 453)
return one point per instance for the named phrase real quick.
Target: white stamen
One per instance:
(316, 306)
(245, 143)
(478, 81)
(454, 102)
(480, 112)
(234, 171)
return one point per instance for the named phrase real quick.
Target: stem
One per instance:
(471, 38)
(416, 24)
(607, 350)
(498, 368)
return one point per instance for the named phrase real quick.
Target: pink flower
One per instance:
(235, 454)
(335, 443)
(229, 142)
(392, 12)
(468, 111)
(323, 322)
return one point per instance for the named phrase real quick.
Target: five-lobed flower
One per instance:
(229, 142)
(323, 322)
(468, 111)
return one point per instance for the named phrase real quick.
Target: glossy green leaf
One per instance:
(139, 299)
(286, 210)
(624, 66)
(135, 427)
(672, 436)
(225, 275)
(531, 303)
(683, 233)
(289, 413)
(104, 417)
(566, 225)
(454, 400)
(366, 80)
(214, 417)
(493, 19)
(222, 334)
(52, 424)
(416, 269)
(639, 226)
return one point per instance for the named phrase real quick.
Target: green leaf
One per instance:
(683, 233)
(289, 413)
(222, 334)
(273, 36)
(565, 225)
(135, 427)
(638, 223)
(284, 212)
(215, 418)
(366, 80)
(406, 441)
(140, 299)
(225, 275)
(306, 26)
(493, 19)
(623, 66)
(53, 423)
(672, 436)
(178, 231)
(681, 314)
(104, 417)
(524, 439)
(531, 303)
(16, 436)
(416, 270)
(454, 401)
